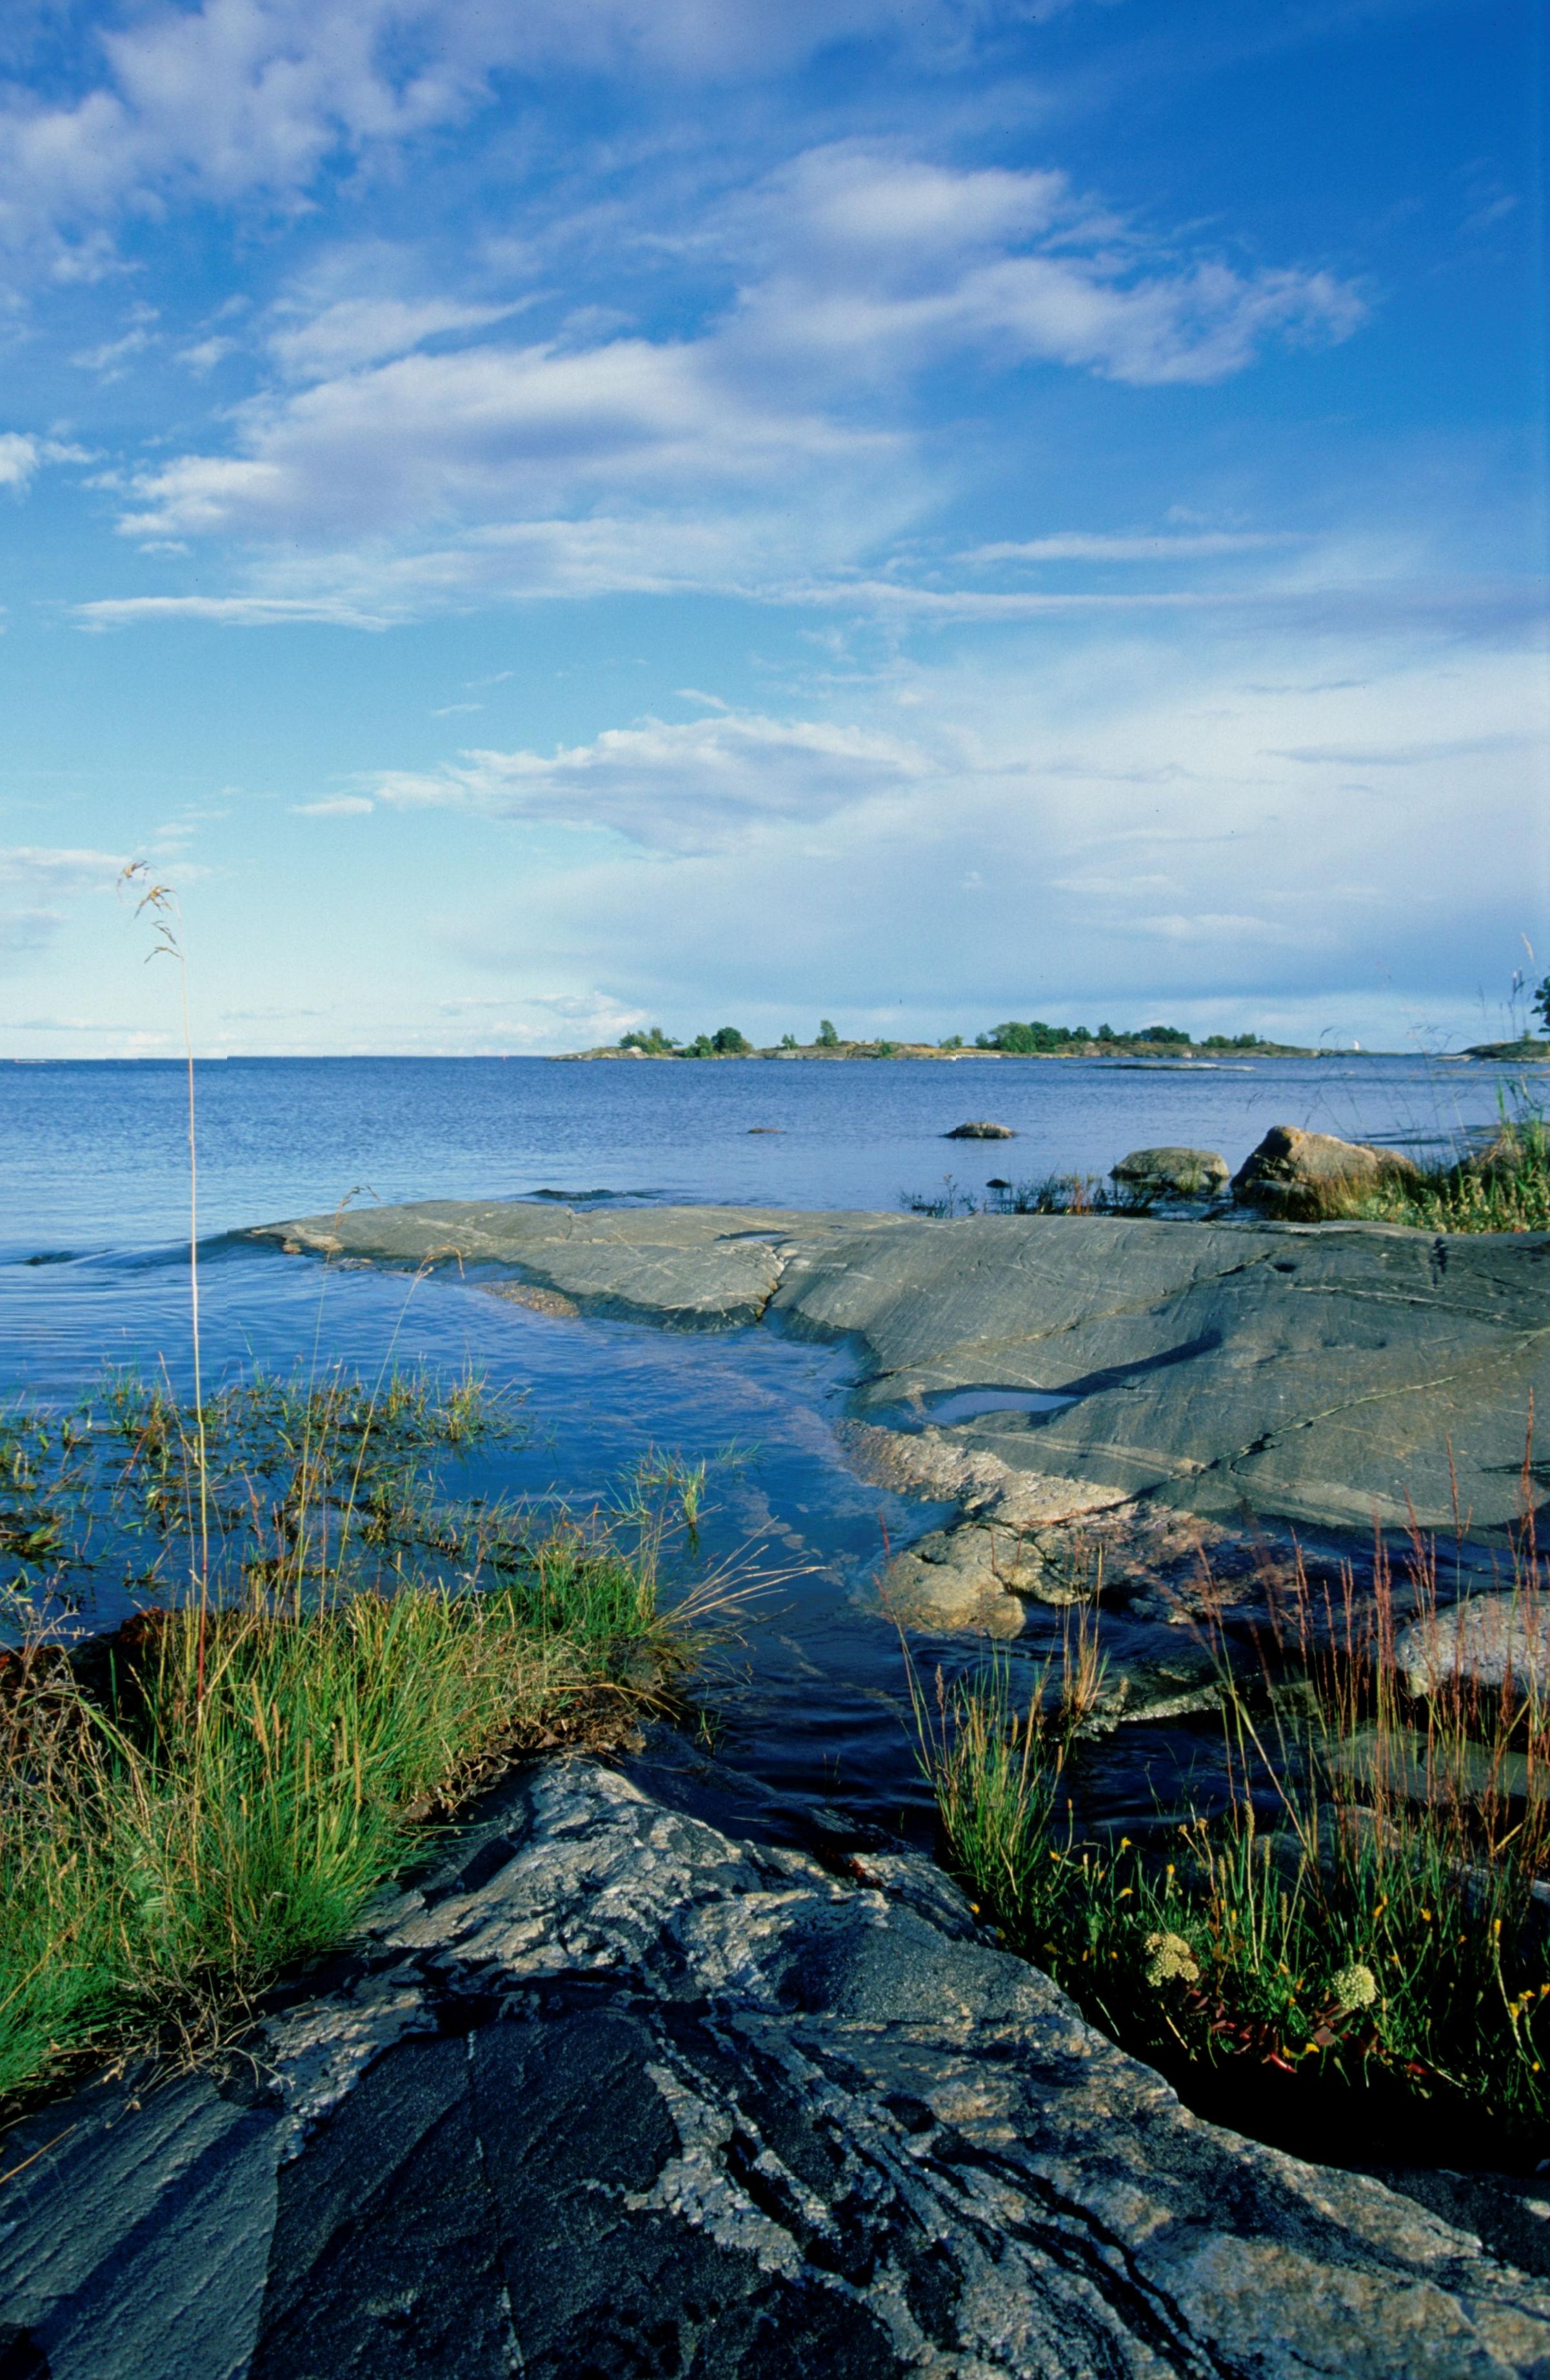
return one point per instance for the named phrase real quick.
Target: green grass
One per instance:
(1503, 1188)
(188, 1808)
(1356, 1913)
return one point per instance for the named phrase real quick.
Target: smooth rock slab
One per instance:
(617, 2095)
(1327, 1373)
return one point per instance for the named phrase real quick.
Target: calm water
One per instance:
(92, 1274)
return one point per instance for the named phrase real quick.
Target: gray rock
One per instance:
(971, 1576)
(1305, 1177)
(1173, 1172)
(613, 2094)
(1486, 1640)
(1330, 1374)
(980, 1131)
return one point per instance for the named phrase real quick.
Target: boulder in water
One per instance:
(1307, 1177)
(1172, 1173)
(980, 1131)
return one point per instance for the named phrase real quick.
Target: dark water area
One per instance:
(809, 1701)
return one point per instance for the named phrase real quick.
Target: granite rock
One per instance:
(1306, 1177)
(1172, 1173)
(1334, 1374)
(612, 2093)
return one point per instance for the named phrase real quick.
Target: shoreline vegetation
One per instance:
(1355, 1930)
(329, 1666)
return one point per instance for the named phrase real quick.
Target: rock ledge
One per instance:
(613, 2094)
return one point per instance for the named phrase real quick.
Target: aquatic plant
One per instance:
(1363, 1913)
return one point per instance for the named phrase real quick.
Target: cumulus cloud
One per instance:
(235, 98)
(22, 457)
(1122, 824)
(736, 458)
(675, 788)
(881, 260)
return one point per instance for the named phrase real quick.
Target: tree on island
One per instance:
(1540, 1005)
(828, 1038)
(653, 1041)
(725, 1042)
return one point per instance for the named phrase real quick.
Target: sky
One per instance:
(534, 517)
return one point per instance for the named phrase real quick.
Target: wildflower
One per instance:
(1354, 1987)
(1170, 1959)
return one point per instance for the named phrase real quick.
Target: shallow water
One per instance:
(809, 1700)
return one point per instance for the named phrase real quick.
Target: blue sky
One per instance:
(551, 514)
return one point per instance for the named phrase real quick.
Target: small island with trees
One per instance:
(1033, 1040)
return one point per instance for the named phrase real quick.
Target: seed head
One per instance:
(1170, 1959)
(1354, 1987)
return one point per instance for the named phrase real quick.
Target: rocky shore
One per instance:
(1327, 1374)
(607, 2092)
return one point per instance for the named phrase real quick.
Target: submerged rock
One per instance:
(1172, 1173)
(1306, 1176)
(980, 1131)
(612, 2093)
(975, 1577)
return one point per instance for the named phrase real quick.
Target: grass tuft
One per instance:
(1504, 1187)
(1365, 1910)
(189, 1807)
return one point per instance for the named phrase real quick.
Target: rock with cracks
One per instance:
(616, 2094)
(1329, 1373)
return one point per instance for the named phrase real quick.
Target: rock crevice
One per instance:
(616, 2093)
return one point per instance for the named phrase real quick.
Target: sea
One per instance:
(805, 1711)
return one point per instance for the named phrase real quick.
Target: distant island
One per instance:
(1010, 1040)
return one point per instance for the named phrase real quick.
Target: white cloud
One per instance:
(110, 361)
(225, 610)
(484, 431)
(355, 331)
(1082, 545)
(336, 806)
(674, 787)
(206, 354)
(735, 458)
(236, 99)
(881, 260)
(36, 881)
(22, 457)
(1119, 823)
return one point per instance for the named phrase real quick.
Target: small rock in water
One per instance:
(980, 1131)
(1486, 1640)
(1306, 1176)
(1172, 1173)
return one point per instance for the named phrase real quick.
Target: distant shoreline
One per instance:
(1168, 1052)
